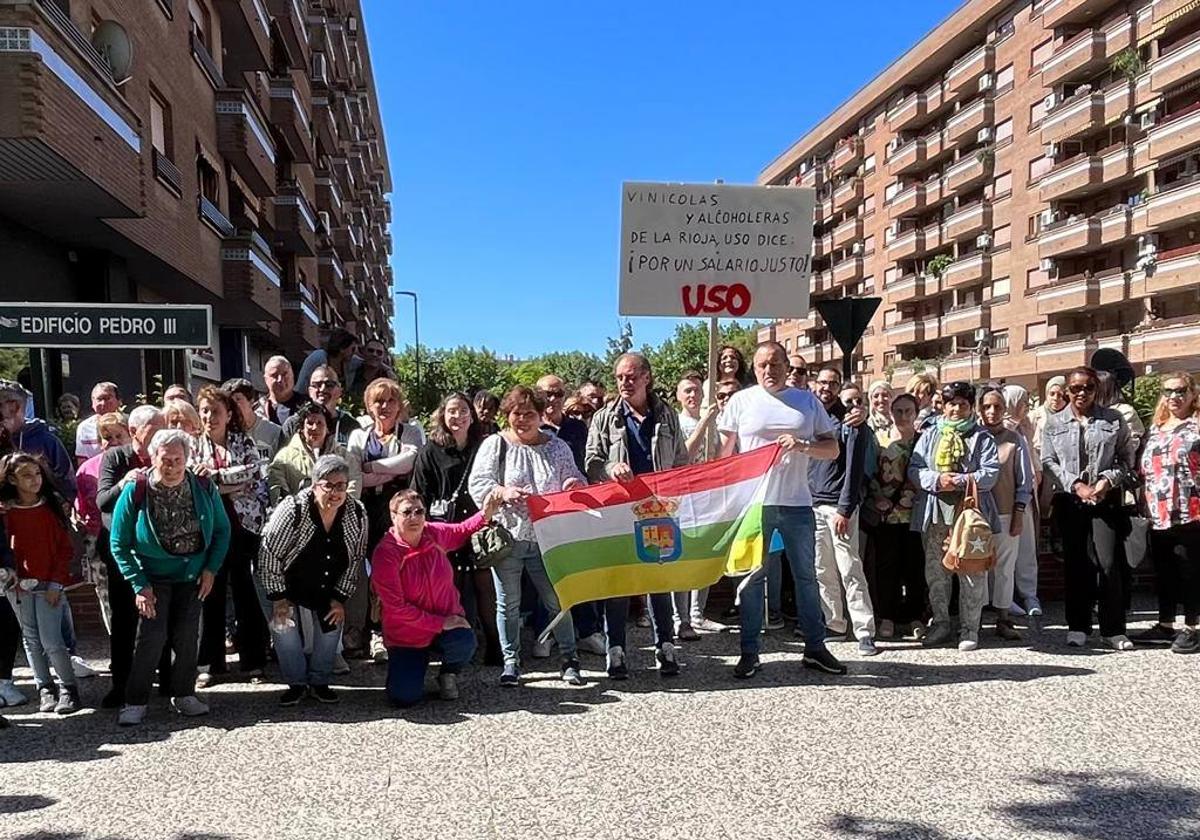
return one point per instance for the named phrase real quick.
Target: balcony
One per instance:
(820, 282)
(1175, 271)
(324, 125)
(1179, 202)
(288, 94)
(847, 154)
(295, 221)
(1117, 163)
(1077, 58)
(907, 201)
(962, 79)
(970, 270)
(848, 195)
(293, 28)
(814, 178)
(1166, 11)
(301, 323)
(245, 140)
(934, 236)
(1120, 34)
(1118, 101)
(1180, 63)
(968, 221)
(245, 35)
(251, 279)
(1069, 236)
(907, 158)
(966, 173)
(1059, 354)
(1069, 294)
(964, 126)
(1172, 338)
(849, 270)
(847, 232)
(911, 287)
(905, 331)
(331, 273)
(1176, 133)
(906, 245)
(1075, 176)
(1057, 12)
(1078, 115)
(70, 141)
(966, 365)
(908, 112)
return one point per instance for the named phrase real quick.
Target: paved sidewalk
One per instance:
(1024, 740)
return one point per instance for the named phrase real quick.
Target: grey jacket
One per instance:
(982, 463)
(608, 442)
(1106, 440)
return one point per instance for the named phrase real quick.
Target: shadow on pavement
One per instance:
(878, 828)
(20, 804)
(76, 835)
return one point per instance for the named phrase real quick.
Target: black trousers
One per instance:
(899, 574)
(1176, 553)
(177, 613)
(1094, 557)
(124, 617)
(10, 638)
(237, 578)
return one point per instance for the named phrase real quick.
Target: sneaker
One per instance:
(937, 635)
(82, 670)
(968, 644)
(131, 715)
(542, 650)
(511, 675)
(774, 622)
(293, 695)
(832, 635)
(617, 669)
(1118, 642)
(47, 699)
(68, 701)
(594, 644)
(324, 694)
(10, 695)
(448, 686)
(204, 679)
(1034, 607)
(823, 660)
(687, 633)
(747, 666)
(668, 665)
(1005, 630)
(115, 699)
(340, 666)
(1156, 633)
(707, 625)
(378, 651)
(1076, 639)
(1188, 641)
(918, 630)
(887, 629)
(866, 647)
(190, 706)
(571, 674)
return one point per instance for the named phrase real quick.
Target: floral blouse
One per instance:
(891, 492)
(251, 502)
(1171, 468)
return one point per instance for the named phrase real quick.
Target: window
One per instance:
(201, 22)
(1036, 334)
(1004, 131)
(1035, 278)
(1036, 112)
(1035, 226)
(1005, 79)
(160, 124)
(1039, 54)
(207, 179)
(1002, 186)
(1039, 167)
(869, 283)
(1001, 287)
(869, 245)
(890, 274)
(1000, 341)
(892, 189)
(1005, 27)
(1001, 238)
(869, 164)
(869, 204)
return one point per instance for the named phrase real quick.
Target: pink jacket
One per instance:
(415, 584)
(87, 482)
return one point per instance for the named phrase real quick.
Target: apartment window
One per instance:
(1036, 278)
(1005, 27)
(869, 283)
(1002, 237)
(1035, 226)
(869, 164)
(890, 274)
(1000, 341)
(1005, 79)
(1036, 112)
(892, 189)
(207, 179)
(869, 204)
(1002, 186)
(869, 245)
(160, 124)
(1036, 334)
(892, 316)
(1039, 167)
(1001, 288)
(1039, 54)
(1004, 131)
(201, 22)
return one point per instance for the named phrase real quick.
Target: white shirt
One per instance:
(759, 417)
(87, 438)
(710, 446)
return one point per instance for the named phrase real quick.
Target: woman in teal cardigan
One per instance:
(169, 538)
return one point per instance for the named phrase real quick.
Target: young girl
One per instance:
(36, 521)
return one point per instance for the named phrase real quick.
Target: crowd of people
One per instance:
(284, 529)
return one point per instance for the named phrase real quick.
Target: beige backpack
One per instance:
(969, 548)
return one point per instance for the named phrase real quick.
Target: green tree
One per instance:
(687, 350)
(11, 361)
(1145, 396)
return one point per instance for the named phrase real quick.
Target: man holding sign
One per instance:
(794, 419)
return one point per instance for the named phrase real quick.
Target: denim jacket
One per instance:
(1106, 440)
(608, 444)
(982, 463)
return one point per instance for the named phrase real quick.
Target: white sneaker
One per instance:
(204, 678)
(81, 668)
(542, 650)
(378, 649)
(10, 695)
(967, 645)
(1076, 639)
(131, 715)
(595, 644)
(1118, 642)
(1034, 607)
(190, 706)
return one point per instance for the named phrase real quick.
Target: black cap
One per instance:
(959, 390)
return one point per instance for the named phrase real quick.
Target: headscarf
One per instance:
(1014, 395)
(1060, 381)
(879, 421)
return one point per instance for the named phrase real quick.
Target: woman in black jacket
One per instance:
(440, 476)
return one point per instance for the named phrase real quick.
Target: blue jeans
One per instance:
(407, 666)
(662, 619)
(588, 618)
(41, 633)
(798, 527)
(528, 558)
(296, 667)
(775, 582)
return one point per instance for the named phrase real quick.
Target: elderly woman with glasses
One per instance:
(308, 564)
(1085, 449)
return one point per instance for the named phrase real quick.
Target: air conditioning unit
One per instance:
(1046, 264)
(352, 25)
(1048, 216)
(326, 225)
(982, 334)
(1127, 120)
(1050, 101)
(856, 248)
(893, 144)
(1051, 150)
(1148, 243)
(1146, 120)
(983, 240)
(985, 82)
(985, 134)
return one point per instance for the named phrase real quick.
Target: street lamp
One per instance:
(416, 332)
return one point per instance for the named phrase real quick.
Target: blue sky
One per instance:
(510, 127)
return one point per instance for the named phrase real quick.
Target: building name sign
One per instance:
(105, 325)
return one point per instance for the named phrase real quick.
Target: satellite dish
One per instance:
(112, 42)
(1114, 361)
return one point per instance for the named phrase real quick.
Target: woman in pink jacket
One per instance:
(413, 578)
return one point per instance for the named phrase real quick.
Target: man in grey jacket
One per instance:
(636, 434)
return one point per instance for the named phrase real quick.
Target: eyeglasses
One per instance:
(1175, 392)
(410, 513)
(325, 383)
(1089, 388)
(555, 393)
(334, 486)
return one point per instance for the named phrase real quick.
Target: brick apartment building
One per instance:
(241, 163)
(1021, 188)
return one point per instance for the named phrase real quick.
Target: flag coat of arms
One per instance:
(662, 532)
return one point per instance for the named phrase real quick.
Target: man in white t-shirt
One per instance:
(105, 398)
(768, 413)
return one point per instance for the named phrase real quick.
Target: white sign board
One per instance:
(715, 250)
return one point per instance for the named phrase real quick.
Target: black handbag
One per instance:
(493, 543)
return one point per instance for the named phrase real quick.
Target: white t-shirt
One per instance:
(87, 438)
(709, 447)
(759, 417)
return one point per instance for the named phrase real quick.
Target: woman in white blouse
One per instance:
(523, 460)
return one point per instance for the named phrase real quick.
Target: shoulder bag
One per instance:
(493, 543)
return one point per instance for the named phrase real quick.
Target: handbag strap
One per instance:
(503, 456)
(971, 495)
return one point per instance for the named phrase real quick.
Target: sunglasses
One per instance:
(325, 383)
(798, 371)
(1175, 392)
(1083, 389)
(555, 393)
(723, 397)
(410, 513)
